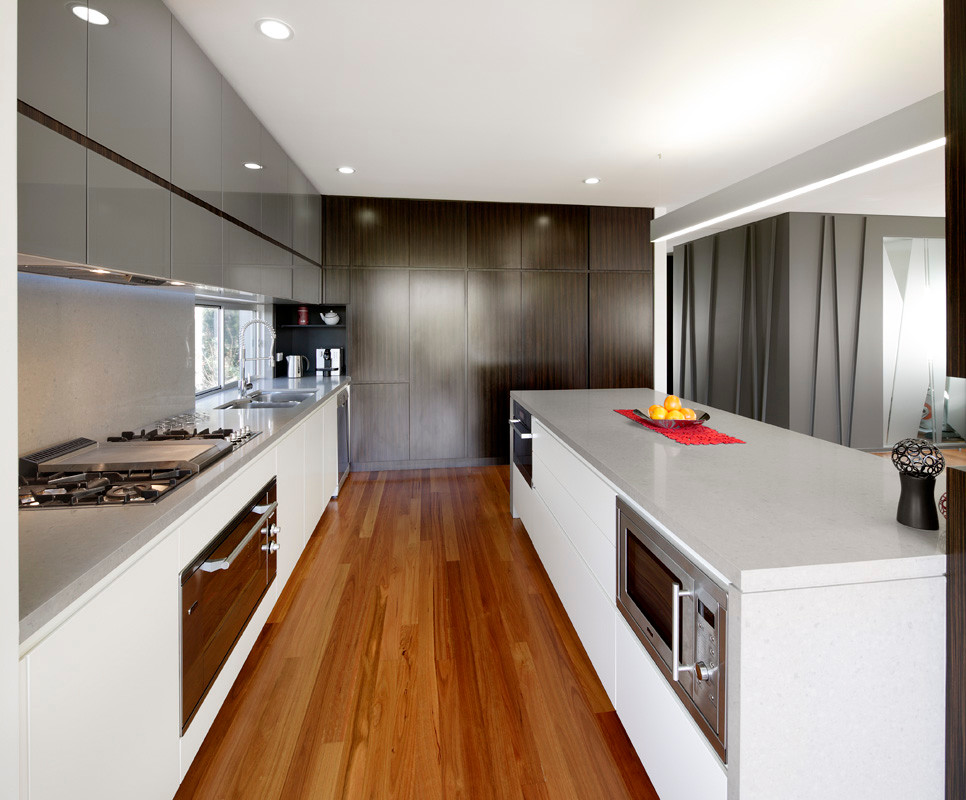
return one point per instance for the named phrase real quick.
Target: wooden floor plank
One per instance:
(419, 651)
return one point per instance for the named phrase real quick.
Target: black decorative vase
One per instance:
(917, 502)
(918, 463)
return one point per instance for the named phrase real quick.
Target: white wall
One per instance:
(9, 578)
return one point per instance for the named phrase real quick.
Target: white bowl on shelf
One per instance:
(331, 318)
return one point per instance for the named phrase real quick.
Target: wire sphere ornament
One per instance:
(944, 506)
(918, 457)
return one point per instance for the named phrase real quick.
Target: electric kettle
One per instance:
(295, 369)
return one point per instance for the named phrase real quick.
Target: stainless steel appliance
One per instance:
(330, 360)
(294, 364)
(220, 590)
(128, 469)
(680, 615)
(342, 410)
(522, 442)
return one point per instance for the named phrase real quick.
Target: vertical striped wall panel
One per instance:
(781, 321)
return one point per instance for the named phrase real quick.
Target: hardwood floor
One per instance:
(418, 651)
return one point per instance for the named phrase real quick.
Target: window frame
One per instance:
(221, 308)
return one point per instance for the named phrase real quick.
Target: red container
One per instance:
(303, 315)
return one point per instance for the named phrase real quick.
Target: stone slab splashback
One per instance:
(96, 358)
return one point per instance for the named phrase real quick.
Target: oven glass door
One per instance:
(648, 582)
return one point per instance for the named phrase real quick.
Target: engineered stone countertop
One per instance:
(66, 552)
(781, 511)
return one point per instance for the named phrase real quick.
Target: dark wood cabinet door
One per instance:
(380, 232)
(380, 422)
(554, 331)
(621, 330)
(620, 239)
(437, 234)
(493, 235)
(379, 325)
(438, 378)
(336, 286)
(337, 239)
(554, 237)
(493, 337)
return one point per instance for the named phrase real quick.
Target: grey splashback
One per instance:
(782, 321)
(95, 358)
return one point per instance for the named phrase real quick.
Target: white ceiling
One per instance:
(519, 101)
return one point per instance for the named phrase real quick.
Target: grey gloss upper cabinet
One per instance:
(52, 61)
(128, 219)
(306, 215)
(276, 220)
(196, 233)
(129, 82)
(51, 193)
(241, 143)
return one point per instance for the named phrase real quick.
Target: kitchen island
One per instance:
(836, 612)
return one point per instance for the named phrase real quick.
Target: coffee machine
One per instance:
(329, 360)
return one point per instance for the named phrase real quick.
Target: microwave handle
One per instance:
(676, 595)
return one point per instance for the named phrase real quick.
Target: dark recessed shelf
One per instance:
(331, 327)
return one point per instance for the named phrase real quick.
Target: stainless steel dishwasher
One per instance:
(342, 403)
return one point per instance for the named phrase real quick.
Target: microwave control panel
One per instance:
(707, 656)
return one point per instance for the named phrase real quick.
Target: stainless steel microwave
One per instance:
(680, 615)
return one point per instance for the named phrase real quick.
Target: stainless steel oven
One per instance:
(220, 590)
(680, 615)
(522, 442)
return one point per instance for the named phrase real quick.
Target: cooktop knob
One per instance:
(703, 672)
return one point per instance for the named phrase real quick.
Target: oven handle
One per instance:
(676, 595)
(225, 563)
(519, 430)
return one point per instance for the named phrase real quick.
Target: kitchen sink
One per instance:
(269, 400)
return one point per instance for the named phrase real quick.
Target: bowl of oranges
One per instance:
(671, 414)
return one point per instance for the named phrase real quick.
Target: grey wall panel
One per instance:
(794, 308)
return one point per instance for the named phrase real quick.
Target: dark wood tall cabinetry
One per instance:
(454, 304)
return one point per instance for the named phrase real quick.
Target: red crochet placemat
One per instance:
(699, 434)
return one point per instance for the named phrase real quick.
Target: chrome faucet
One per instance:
(244, 384)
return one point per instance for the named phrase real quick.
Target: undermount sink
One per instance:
(269, 400)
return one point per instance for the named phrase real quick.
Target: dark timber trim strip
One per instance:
(95, 147)
(835, 323)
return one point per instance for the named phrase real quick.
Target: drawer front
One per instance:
(661, 730)
(598, 551)
(589, 491)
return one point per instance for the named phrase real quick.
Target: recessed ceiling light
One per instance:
(346, 170)
(253, 165)
(275, 29)
(177, 283)
(100, 271)
(91, 15)
(591, 181)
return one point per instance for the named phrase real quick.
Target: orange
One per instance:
(658, 412)
(689, 413)
(672, 402)
(675, 414)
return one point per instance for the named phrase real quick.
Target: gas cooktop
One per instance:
(128, 469)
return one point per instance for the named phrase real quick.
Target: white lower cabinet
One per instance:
(590, 609)
(102, 692)
(677, 757)
(315, 447)
(293, 533)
